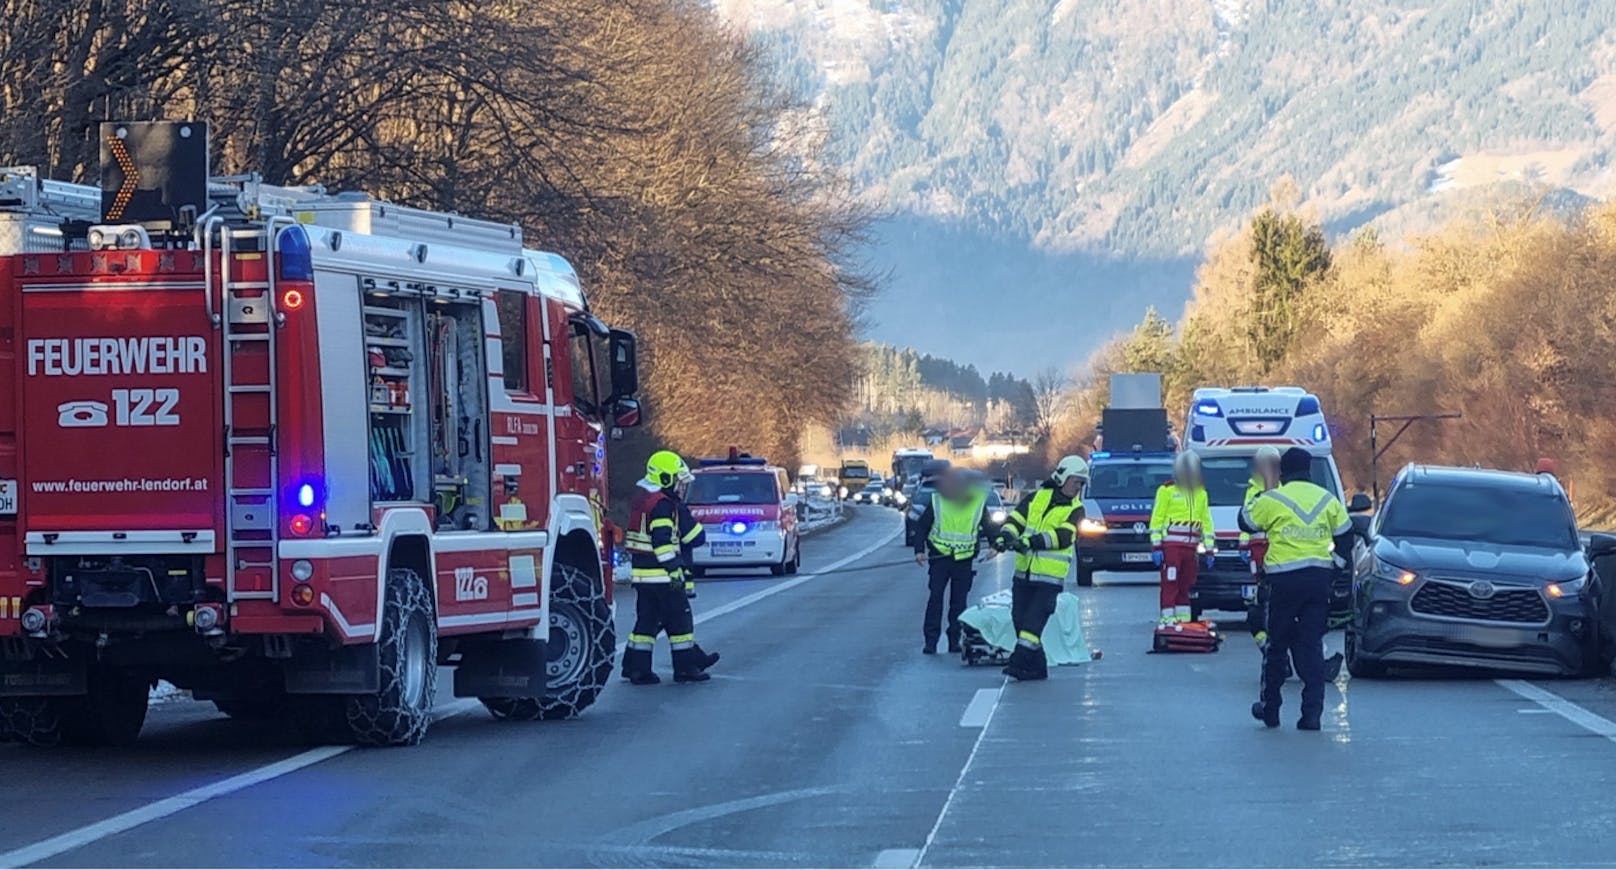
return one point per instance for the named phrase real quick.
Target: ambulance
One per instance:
(1225, 427)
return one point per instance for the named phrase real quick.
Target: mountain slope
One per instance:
(1135, 128)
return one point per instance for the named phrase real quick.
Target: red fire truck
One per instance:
(292, 451)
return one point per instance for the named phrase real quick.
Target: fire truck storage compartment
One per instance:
(427, 400)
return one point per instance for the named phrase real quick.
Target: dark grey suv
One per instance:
(1474, 568)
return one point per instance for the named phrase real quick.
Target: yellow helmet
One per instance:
(665, 468)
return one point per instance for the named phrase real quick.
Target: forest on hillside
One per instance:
(687, 187)
(1506, 318)
(903, 391)
(1140, 127)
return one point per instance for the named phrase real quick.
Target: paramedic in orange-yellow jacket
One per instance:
(1180, 535)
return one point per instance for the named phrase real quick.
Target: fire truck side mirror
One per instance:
(625, 367)
(626, 413)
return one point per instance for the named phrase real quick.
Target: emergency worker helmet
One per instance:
(665, 468)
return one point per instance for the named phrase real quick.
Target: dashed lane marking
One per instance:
(896, 858)
(1565, 709)
(980, 710)
(79, 837)
(920, 856)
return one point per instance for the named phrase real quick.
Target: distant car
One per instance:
(912, 511)
(749, 514)
(870, 494)
(997, 512)
(1475, 568)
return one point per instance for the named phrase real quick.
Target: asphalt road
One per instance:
(826, 739)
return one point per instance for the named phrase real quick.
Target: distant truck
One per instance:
(852, 477)
(907, 465)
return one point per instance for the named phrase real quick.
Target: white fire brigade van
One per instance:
(293, 451)
(1225, 427)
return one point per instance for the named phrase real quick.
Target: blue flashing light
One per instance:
(1208, 409)
(293, 258)
(305, 495)
(1319, 432)
(1100, 455)
(737, 528)
(1308, 405)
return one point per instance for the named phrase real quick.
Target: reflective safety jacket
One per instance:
(1181, 516)
(1047, 522)
(952, 529)
(1302, 520)
(1254, 487)
(660, 533)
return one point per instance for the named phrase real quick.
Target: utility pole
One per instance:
(1375, 450)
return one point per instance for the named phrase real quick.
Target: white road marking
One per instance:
(980, 710)
(895, 858)
(920, 857)
(1566, 710)
(118, 824)
(161, 809)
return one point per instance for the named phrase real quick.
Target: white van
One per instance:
(1225, 428)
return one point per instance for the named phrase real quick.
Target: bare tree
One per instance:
(1049, 394)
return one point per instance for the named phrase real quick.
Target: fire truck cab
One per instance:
(293, 451)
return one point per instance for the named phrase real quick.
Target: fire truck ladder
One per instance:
(251, 467)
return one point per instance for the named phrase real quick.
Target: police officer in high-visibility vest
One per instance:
(1254, 545)
(659, 535)
(1309, 534)
(947, 540)
(1042, 531)
(1180, 536)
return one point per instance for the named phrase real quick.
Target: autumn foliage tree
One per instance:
(1506, 317)
(640, 138)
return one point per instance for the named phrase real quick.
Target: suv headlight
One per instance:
(1393, 574)
(998, 516)
(1566, 588)
(1087, 526)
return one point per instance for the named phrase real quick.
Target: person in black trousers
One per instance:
(948, 537)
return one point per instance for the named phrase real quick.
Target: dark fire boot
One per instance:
(703, 658)
(637, 668)
(688, 667)
(1262, 714)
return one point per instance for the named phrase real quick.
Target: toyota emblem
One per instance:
(1139, 528)
(1481, 589)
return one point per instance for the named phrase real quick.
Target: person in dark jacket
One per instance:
(948, 539)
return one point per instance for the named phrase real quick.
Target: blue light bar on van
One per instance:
(1308, 405)
(1101, 455)
(1208, 409)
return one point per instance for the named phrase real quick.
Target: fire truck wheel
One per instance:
(111, 713)
(398, 715)
(583, 642)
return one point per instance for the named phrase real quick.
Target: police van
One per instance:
(1225, 427)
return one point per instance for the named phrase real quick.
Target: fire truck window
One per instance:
(513, 339)
(585, 395)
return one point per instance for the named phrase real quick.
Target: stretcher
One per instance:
(988, 634)
(1186, 637)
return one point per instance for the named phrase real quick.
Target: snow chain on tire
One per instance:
(583, 644)
(408, 656)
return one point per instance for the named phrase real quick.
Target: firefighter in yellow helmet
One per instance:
(1181, 536)
(1042, 531)
(660, 533)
